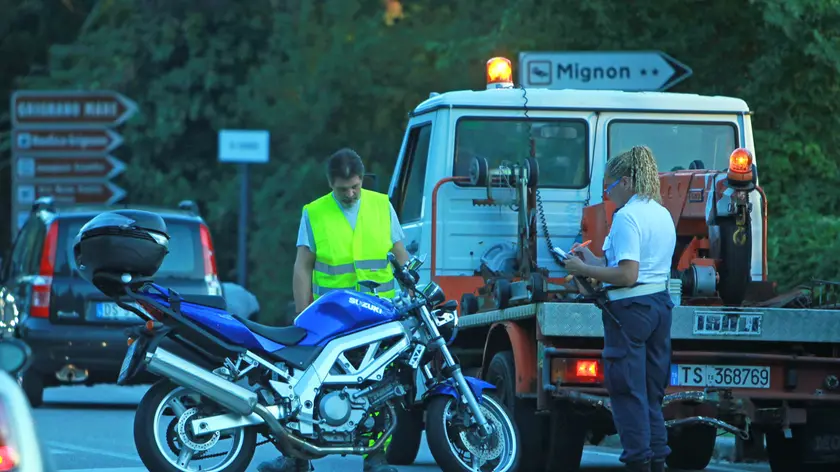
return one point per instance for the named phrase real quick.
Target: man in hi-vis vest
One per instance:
(344, 238)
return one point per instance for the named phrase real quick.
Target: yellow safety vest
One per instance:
(343, 257)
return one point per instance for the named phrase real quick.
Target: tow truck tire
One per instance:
(405, 443)
(502, 293)
(785, 454)
(692, 447)
(538, 288)
(469, 304)
(533, 429)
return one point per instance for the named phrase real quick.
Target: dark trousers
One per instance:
(637, 364)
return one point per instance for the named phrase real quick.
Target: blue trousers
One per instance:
(637, 364)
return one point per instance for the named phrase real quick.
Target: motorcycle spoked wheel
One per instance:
(153, 438)
(456, 445)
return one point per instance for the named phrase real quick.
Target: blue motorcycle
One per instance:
(330, 384)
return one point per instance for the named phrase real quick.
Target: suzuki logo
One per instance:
(368, 305)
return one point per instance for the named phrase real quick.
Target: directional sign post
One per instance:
(61, 145)
(243, 147)
(601, 70)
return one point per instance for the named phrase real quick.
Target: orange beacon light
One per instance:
(499, 73)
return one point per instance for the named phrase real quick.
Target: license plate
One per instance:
(113, 312)
(729, 376)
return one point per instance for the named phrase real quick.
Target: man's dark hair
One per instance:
(344, 164)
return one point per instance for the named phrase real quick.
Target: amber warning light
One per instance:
(499, 73)
(740, 165)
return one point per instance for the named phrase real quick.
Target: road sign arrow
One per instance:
(604, 70)
(64, 141)
(70, 108)
(64, 167)
(72, 193)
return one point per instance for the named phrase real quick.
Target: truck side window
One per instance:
(676, 144)
(413, 174)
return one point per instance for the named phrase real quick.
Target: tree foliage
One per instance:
(334, 73)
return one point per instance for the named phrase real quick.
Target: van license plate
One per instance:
(728, 376)
(114, 312)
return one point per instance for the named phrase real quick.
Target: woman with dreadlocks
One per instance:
(637, 321)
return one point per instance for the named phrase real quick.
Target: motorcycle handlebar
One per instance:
(405, 277)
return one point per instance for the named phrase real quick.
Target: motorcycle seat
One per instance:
(286, 335)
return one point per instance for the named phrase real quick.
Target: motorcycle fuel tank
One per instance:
(342, 312)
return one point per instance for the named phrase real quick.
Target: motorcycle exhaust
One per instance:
(233, 397)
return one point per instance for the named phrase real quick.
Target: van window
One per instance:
(676, 145)
(560, 147)
(183, 261)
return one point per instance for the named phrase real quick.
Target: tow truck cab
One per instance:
(574, 133)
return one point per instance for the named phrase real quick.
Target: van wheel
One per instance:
(33, 386)
(533, 429)
(692, 447)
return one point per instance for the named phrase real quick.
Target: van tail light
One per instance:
(211, 275)
(576, 371)
(9, 458)
(42, 284)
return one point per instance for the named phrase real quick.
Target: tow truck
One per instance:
(489, 182)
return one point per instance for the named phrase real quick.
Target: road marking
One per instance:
(88, 450)
(712, 466)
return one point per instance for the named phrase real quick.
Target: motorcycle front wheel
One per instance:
(165, 442)
(454, 441)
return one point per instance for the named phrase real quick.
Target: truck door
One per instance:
(408, 182)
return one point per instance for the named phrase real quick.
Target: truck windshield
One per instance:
(676, 145)
(560, 147)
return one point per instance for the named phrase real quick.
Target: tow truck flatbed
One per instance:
(583, 320)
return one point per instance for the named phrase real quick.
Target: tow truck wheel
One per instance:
(502, 293)
(469, 304)
(538, 288)
(692, 447)
(786, 454)
(533, 429)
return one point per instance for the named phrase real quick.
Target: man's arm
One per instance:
(304, 265)
(302, 280)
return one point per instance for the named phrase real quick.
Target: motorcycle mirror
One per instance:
(14, 356)
(416, 262)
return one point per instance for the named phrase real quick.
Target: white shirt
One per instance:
(643, 231)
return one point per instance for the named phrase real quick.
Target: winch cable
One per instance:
(540, 212)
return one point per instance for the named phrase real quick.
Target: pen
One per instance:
(581, 245)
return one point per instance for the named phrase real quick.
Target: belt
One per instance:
(637, 291)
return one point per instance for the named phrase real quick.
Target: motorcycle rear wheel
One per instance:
(152, 447)
(450, 441)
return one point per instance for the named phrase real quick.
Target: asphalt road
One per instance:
(90, 429)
